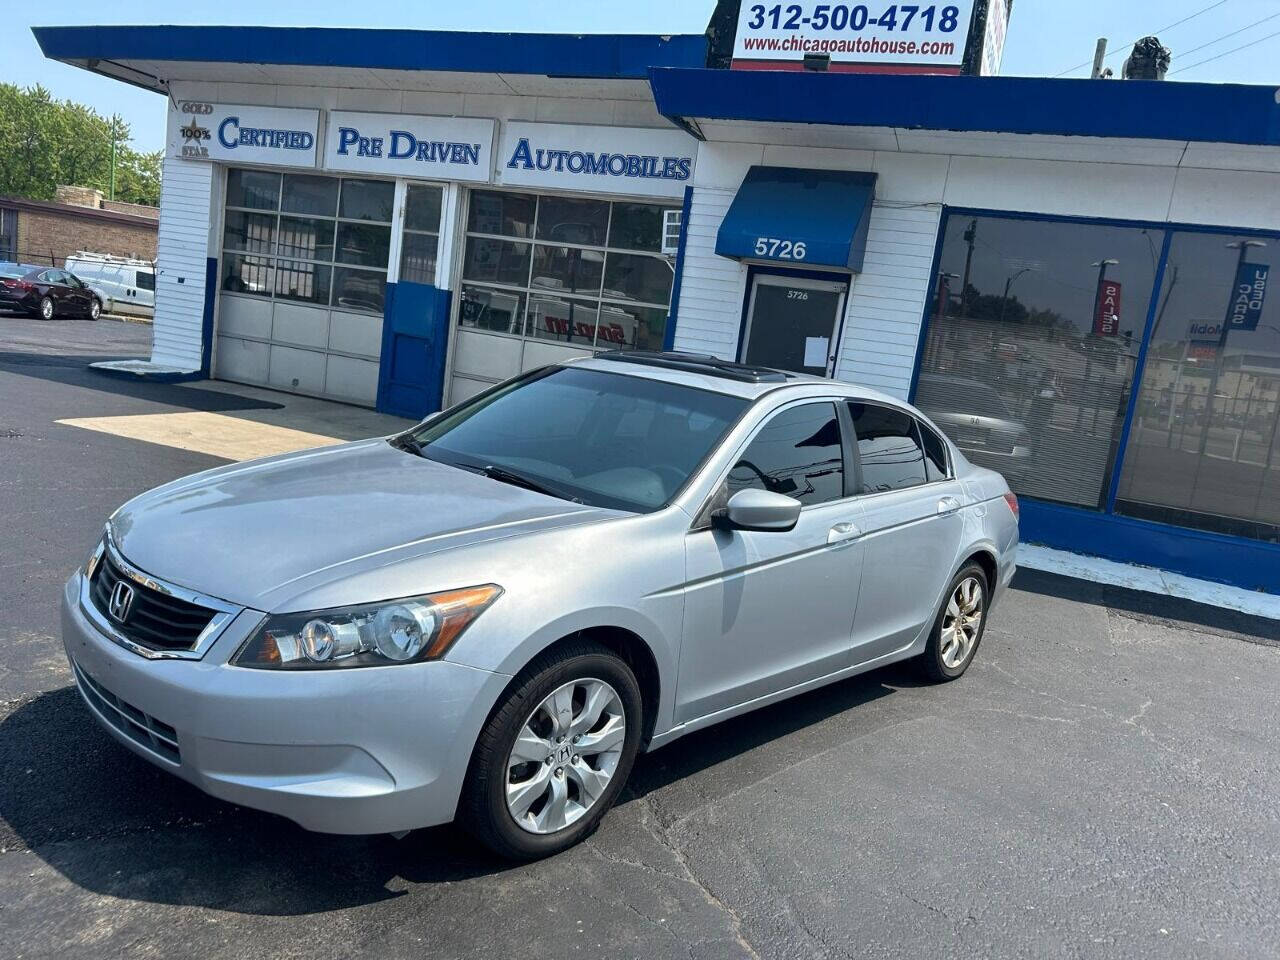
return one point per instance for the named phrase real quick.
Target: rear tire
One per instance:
(45, 310)
(570, 778)
(958, 628)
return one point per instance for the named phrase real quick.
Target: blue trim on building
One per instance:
(206, 321)
(669, 335)
(602, 56)
(1251, 564)
(1139, 367)
(1138, 109)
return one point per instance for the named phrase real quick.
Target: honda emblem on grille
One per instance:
(121, 601)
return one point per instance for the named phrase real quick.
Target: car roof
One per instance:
(704, 372)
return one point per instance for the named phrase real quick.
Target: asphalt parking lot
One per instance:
(1102, 782)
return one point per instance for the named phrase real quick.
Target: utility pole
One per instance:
(1099, 54)
(970, 237)
(1221, 359)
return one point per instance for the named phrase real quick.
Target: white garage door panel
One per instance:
(299, 325)
(486, 356)
(352, 379)
(464, 388)
(359, 333)
(301, 370)
(540, 354)
(242, 360)
(244, 317)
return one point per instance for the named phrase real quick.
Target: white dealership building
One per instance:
(1070, 276)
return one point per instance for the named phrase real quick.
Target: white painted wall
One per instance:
(1159, 182)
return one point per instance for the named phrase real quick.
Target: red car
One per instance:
(47, 292)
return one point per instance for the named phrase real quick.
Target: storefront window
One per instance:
(590, 278)
(307, 238)
(1203, 450)
(1034, 331)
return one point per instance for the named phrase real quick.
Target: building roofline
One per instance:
(1130, 109)
(592, 56)
(71, 209)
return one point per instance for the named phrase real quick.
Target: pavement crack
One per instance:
(649, 822)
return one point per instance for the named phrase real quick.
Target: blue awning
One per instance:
(799, 217)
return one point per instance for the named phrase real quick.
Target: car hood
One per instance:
(256, 533)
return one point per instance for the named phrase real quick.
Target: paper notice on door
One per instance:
(815, 351)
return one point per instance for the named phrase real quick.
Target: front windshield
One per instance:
(607, 439)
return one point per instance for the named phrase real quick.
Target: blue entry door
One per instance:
(415, 343)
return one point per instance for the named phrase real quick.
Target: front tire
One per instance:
(959, 626)
(95, 308)
(555, 753)
(45, 310)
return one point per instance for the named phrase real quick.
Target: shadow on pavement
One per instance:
(1154, 606)
(114, 825)
(73, 370)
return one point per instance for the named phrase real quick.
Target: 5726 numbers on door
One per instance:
(780, 249)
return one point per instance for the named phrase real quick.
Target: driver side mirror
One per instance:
(754, 509)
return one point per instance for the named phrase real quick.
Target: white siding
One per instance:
(182, 245)
(887, 299)
(712, 288)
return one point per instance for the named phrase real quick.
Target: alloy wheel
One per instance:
(46, 309)
(961, 622)
(565, 755)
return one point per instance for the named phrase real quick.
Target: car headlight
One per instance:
(370, 635)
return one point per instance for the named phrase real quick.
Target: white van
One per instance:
(124, 285)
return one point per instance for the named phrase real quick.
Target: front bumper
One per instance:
(364, 750)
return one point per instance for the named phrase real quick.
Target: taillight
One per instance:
(1012, 500)
(16, 284)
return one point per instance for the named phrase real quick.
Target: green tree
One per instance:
(52, 142)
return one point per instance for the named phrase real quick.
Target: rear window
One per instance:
(145, 281)
(888, 448)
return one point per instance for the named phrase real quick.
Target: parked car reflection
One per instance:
(977, 420)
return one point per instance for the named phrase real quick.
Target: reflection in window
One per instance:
(1203, 450)
(294, 222)
(796, 453)
(576, 289)
(889, 450)
(1033, 333)
(420, 241)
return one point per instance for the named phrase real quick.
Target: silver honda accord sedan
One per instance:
(488, 616)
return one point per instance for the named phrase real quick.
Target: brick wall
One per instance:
(49, 233)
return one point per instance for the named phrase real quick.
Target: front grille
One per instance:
(143, 729)
(155, 619)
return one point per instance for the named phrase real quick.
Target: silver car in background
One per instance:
(488, 616)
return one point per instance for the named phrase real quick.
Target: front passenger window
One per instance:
(888, 448)
(796, 453)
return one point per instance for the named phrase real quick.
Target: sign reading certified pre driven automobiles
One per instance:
(912, 36)
(628, 160)
(449, 148)
(280, 136)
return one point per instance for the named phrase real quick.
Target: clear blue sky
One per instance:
(1046, 37)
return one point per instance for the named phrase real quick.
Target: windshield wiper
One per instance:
(503, 475)
(406, 443)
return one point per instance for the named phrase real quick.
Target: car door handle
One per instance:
(845, 530)
(948, 505)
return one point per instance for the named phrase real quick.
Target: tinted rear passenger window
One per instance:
(888, 447)
(796, 453)
(935, 453)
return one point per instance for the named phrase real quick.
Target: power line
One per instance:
(1129, 45)
(1227, 53)
(1225, 36)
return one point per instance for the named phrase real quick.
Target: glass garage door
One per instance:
(549, 277)
(303, 281)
